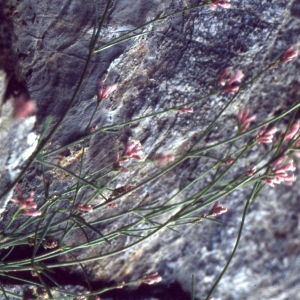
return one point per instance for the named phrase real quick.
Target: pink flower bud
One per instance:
(292, 131)
(82, 208)
(26, 203)
(186, 110)
(266, 136)
(217, 209)
(32, 212)
(104, 93)
(132, 150)
(151, 278)
(93, 128)
(162, 158)
(236, 77)
(230, 79)
(279, 174)
(287, 167)
(278, 161)
(221, 3)
(229, 161)
(244, 119)
(288, 54)
(251, 171)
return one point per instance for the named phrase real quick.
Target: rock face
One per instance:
(177, 61)
(18, 140)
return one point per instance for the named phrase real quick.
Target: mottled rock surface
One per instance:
(178, 61)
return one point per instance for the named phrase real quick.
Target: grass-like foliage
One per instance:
(49, 224)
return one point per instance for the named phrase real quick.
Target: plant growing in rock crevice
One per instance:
(76, 209)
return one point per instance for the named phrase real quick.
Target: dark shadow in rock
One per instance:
(158, 291)
(63, 277)
(295, 9)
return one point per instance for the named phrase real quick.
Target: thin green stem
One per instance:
(252, 196)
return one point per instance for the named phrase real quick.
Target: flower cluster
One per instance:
(279, 174)
(151, 278)
(230, 80)
(244, 119)
(132, 150)
(222, 3)
(265, 136)
(217, 210)
(27, 204)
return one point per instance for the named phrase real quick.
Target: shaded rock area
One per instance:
(18, 137)
(178, 61)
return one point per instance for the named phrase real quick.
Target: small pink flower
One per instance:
(289, 179)
(229, 80)
(279, 174)
(93, 128)
(288, 54)
(224, 76)
(222, 3)
(162, 158)
(151, 278)
(112, 205)
(289, 166)
(229, 161)
(32, 212)
(279, 161)
(236, 77)
(24, 202)
(251, 171)
(82, 208)
(266, 136)
(23, 107)
(244, 119)
(104, 93)
(217, 209)
(186, 110)
(132, 150)
(293, 130)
